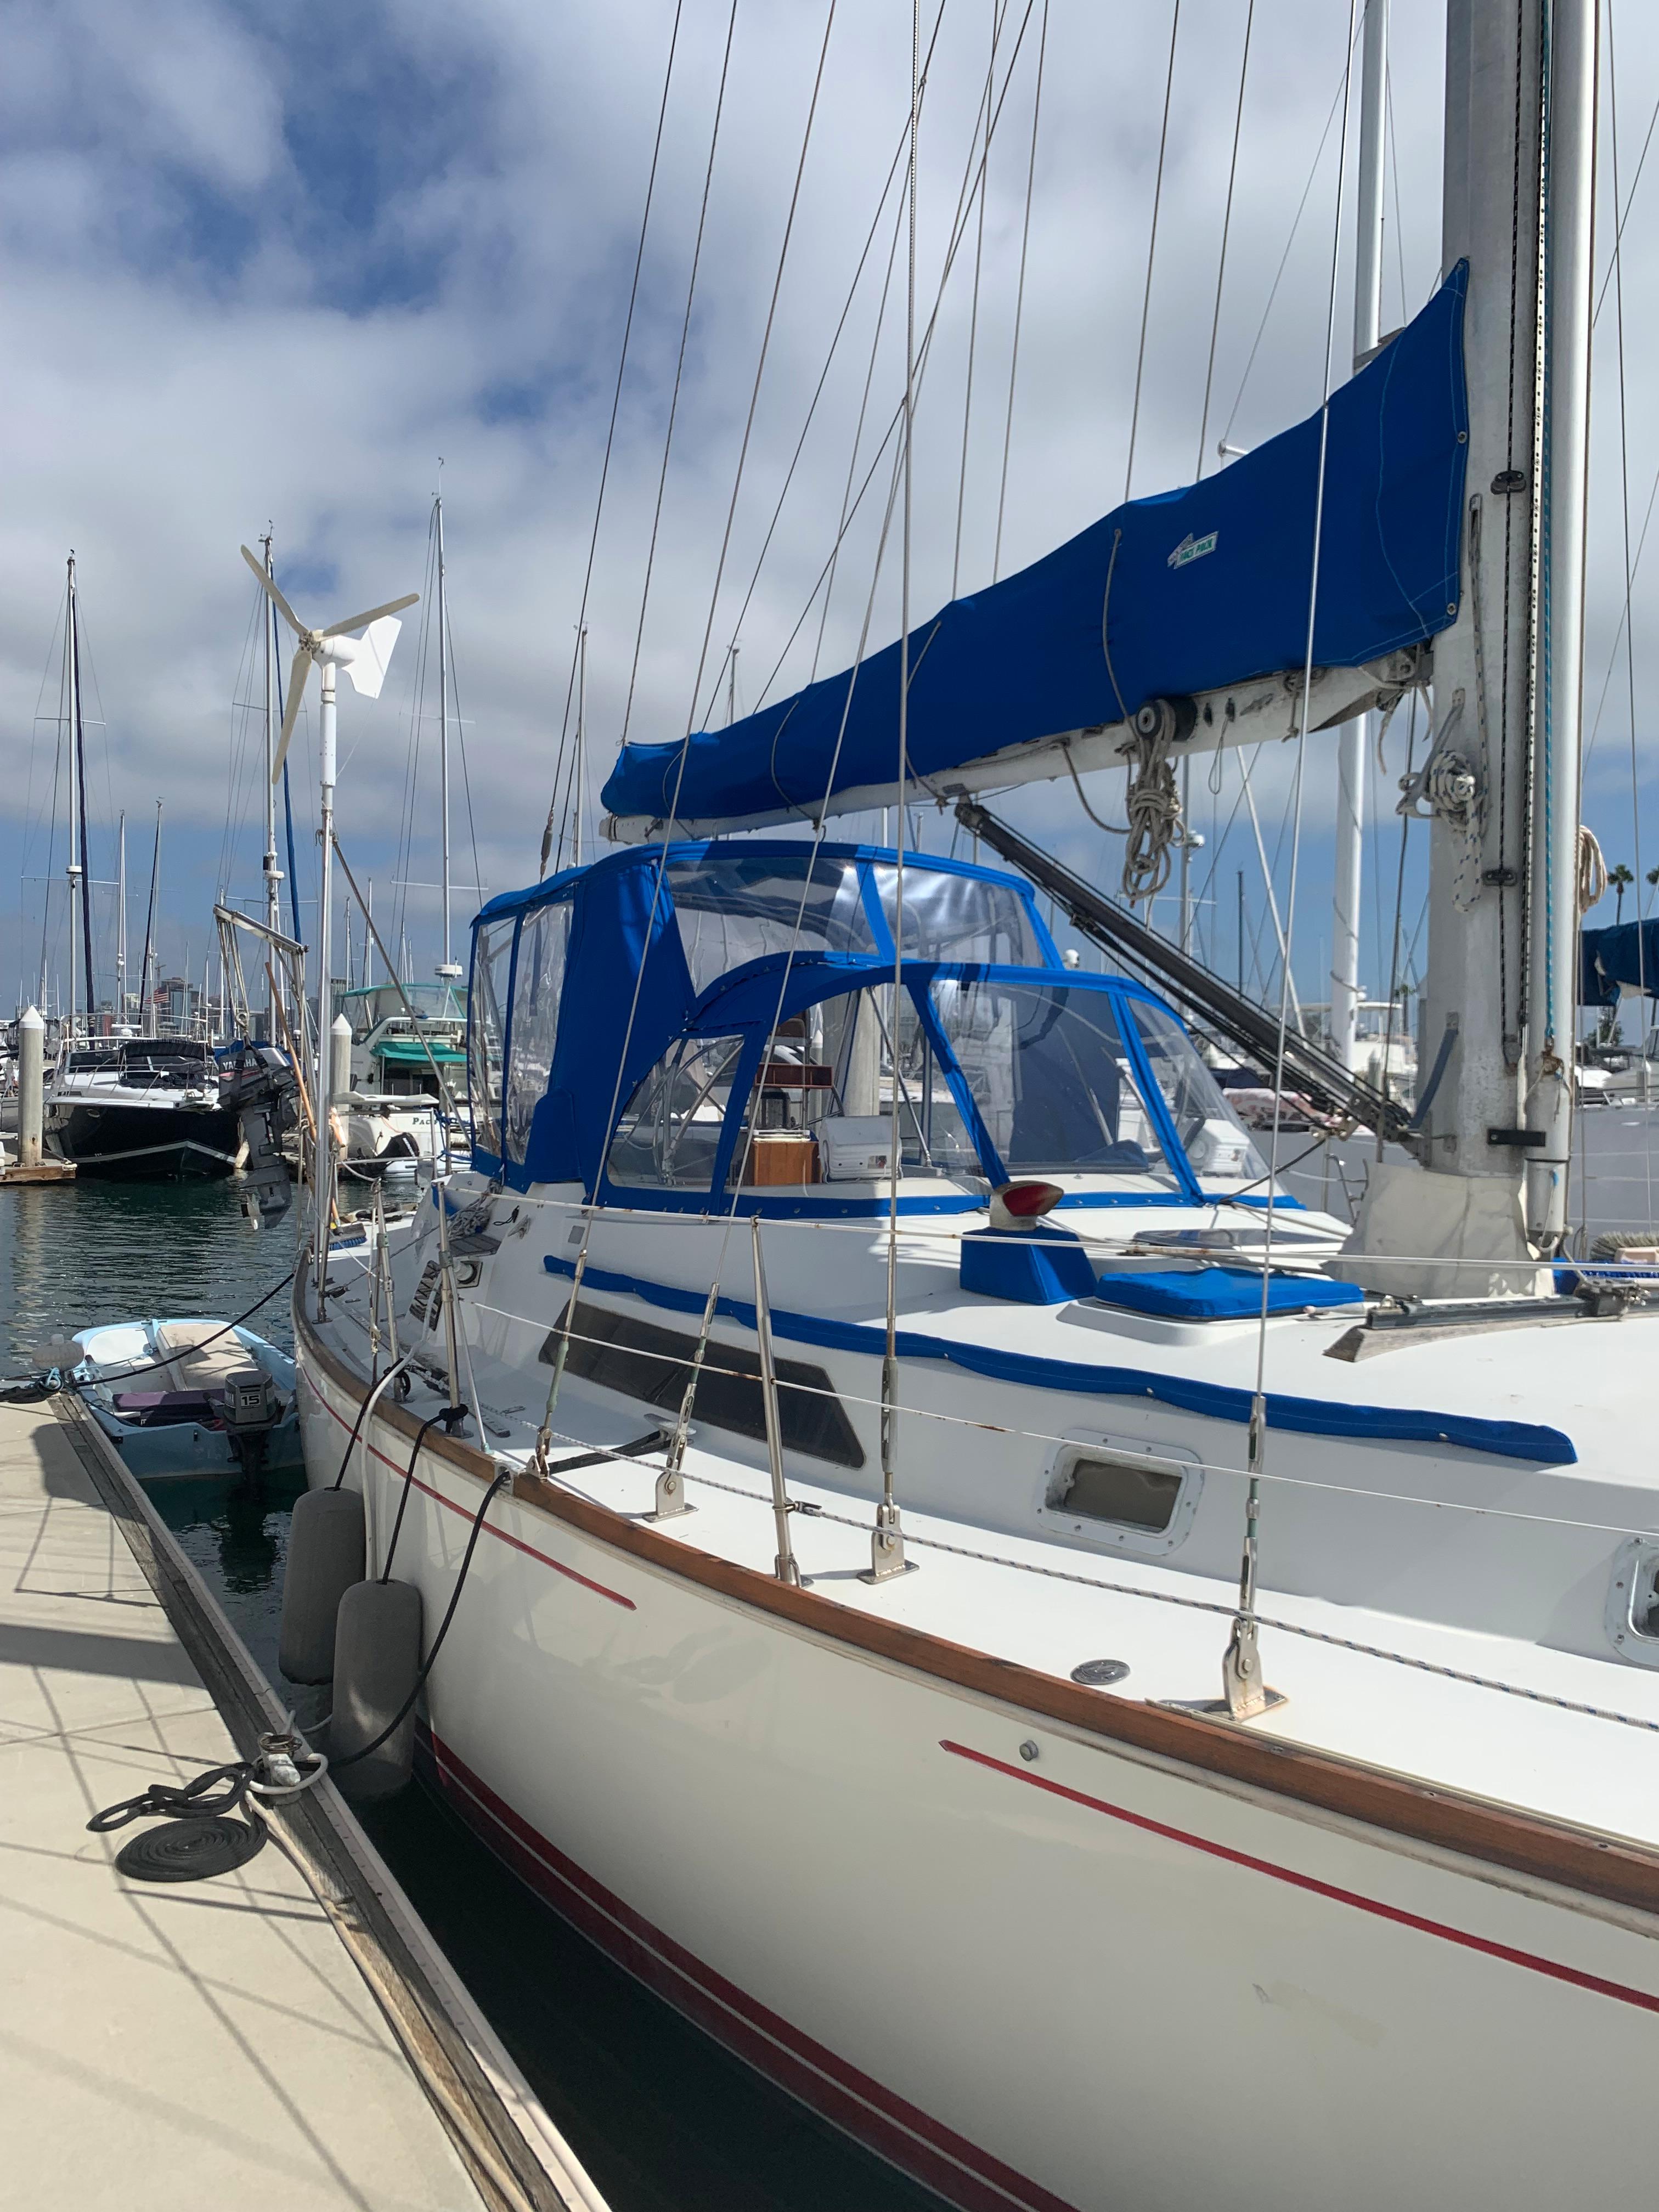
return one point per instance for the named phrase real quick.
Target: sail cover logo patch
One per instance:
(1193, 549)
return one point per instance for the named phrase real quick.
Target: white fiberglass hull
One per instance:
(1033, 1967)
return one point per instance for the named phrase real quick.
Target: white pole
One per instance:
(340, 1076)
(1551, 991)
(582, 739)
(368, 938)
(443, 722)
(324, 1155)
(1350, 744)
(121, 920)
(31, 1088)
(272, 873)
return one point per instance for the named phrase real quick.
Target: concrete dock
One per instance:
(267, 2037)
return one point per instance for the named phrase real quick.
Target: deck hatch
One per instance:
(645, 1361)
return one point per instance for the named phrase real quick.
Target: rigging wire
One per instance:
(616, 402)
(887, 1536)
(1226, 232)
(1630, 624)
(894, 169)
(1399, 911)
(240, 778)
(1151, 247)
(54, 659)
(679, 373)
(972, 182)
(1619, 228)
(1019, 292)
(1241, 1669)
(760, 369)
(1393, 178)
(998, 16)
(1283, 259)
(660, 873)
(826, 582)
(479, 887)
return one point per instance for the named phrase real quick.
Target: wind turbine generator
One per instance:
(365, 660)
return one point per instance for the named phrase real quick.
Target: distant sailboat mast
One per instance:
(145, 991)
(449, 970)
(72, 672)
(273, 723)
(443, 724)
(121, 920)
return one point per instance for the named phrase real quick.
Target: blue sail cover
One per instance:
(1628, 952)
(1190, 591)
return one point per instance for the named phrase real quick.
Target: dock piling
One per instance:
(31, 1087)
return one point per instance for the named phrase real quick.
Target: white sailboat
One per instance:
(812, 1192)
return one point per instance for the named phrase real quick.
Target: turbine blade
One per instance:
(282, 606)
(298, 671)
(357, 622)
(368, 664)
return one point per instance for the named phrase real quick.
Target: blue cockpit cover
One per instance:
(1188, 591)
(1628, 952)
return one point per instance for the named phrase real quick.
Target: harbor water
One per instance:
(661, 2117)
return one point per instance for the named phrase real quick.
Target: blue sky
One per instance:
(269, 265)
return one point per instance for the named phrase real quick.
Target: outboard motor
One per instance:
(258, 1090)
(251, 1410)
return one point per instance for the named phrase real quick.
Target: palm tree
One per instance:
(1653, 881)
(1620, 878)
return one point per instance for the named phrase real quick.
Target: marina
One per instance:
(920, 1450)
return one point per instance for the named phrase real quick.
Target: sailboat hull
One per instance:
(1032, 1967)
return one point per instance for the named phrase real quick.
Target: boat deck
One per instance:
(1568, 1738)
(213, 2040)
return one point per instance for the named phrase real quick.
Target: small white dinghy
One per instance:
(190, 1397)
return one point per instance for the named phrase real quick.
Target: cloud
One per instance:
(255, 268)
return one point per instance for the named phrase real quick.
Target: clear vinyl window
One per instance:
(734, 907)
(538, 988)
(492, 959)
(821, 1106)
(1051, 1076)
(1215, 1140)
(670, 1130)
(950, 917)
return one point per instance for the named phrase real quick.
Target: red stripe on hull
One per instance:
(1528, 1959)
(864, 2108)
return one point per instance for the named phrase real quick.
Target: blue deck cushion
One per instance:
(1038, 1266)
(1220, 1293)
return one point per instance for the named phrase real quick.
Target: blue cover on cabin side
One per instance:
(1187, 592)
